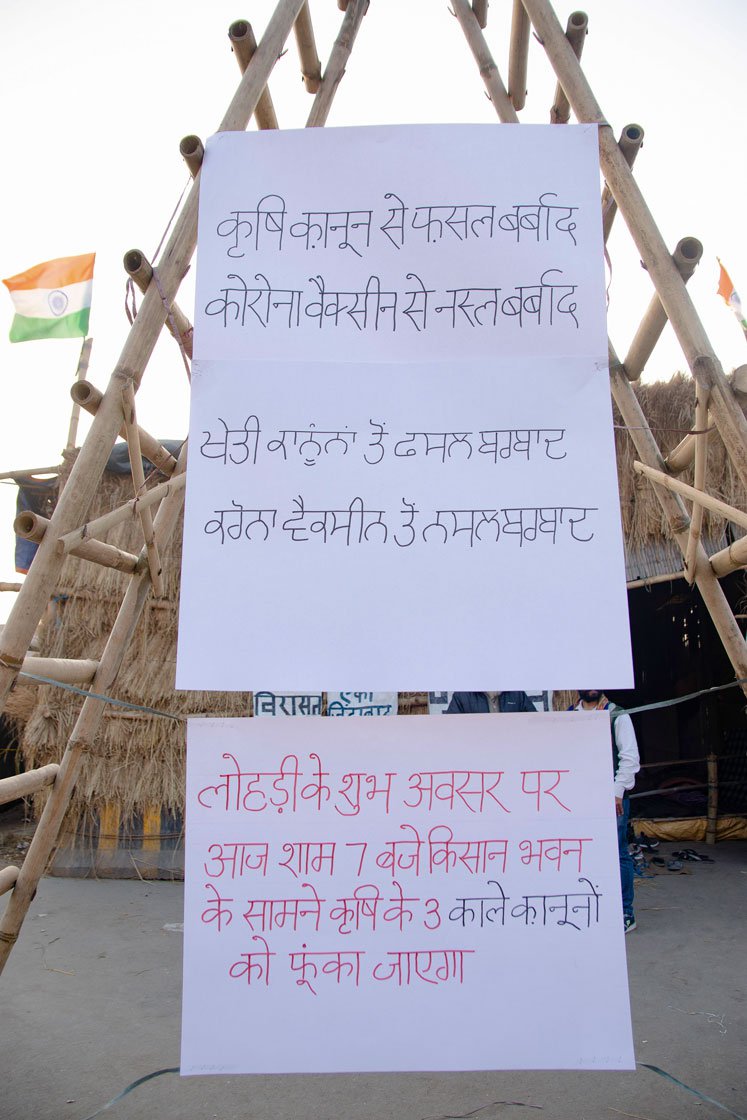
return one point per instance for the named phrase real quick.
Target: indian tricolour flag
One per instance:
(53, 299)
(727, 292)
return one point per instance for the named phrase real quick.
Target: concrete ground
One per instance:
(90, 1001)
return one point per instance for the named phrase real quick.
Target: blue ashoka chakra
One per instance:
(58, 302)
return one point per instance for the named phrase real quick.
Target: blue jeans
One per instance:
(626, 860)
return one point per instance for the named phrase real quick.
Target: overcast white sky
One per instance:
(96, 98)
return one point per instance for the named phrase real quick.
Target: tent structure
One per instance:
(144, 568)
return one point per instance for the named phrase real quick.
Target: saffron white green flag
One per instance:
(53, 299)
(727, 292)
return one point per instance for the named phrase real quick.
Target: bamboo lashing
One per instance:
(335, 68)
(518, 52)
(90, 398)
(139, 269)
(138, 479)
(630, 144)
(715, 505)
(480, 8)
(67, 670)
(680, 458)
(485, 63)
(80, 373)
(311, 67)
(701, 456)
(244, 46)
(705, 367)
(32, 527)
(8, 877)
(24, 785)
(576, 31)
(86, 729)
(192, 152)
(686, 257)
(107, 521)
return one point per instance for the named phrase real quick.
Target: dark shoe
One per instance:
(629, 923)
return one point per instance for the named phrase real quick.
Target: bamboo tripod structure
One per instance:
(115, 410)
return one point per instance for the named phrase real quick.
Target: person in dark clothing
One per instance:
(490, 702)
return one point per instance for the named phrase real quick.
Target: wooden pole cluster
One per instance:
(157, 509)
(114, 413)
(669, 273)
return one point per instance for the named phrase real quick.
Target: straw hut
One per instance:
(127, 812)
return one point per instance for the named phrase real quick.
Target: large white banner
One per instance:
(402, 469)
(400, 244)
(403, 894)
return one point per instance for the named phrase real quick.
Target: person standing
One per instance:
(490, 702)
(627, 763)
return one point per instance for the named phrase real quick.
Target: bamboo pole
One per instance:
(66, 670)
(701, 458)
(32, 527)
(18, 475)
(90, 398)
(244, 46)
(480, 8)
(686, 257)
(80, 373)
(192, 152)
(334, 71)
(311, 67)
(24, 785)
(715, 505)
(100, 525)
(674, 510)
(138, 478)
(139, 269)
(485, 63)
(668, 577)
(576, 31)
(517, 54)
(675, 299)
(8, 877)
(10, 586)
(712, 822)
(85, 731)
(730, 559)
(630, 144)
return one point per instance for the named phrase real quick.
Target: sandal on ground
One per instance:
(674, 865)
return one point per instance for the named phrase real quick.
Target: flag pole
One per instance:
(85, 354)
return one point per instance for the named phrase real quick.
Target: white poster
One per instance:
(400, 525)
(428, 242)
(403, 894)
(401, 460)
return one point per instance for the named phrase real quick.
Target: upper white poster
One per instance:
(415, 492)
(400, 244)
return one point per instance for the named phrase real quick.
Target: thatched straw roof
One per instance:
(669, 407)
(138, 759)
